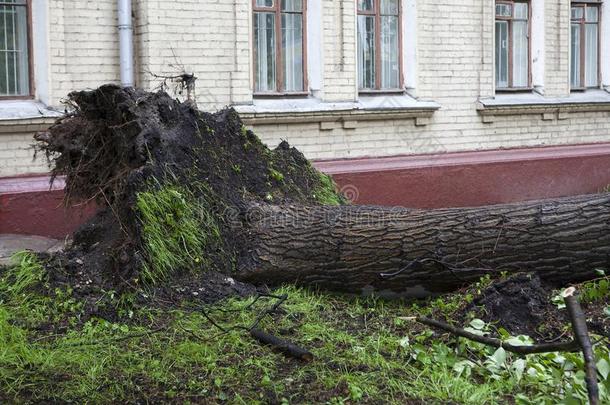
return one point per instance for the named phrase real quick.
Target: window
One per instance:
(379, 45)
(279, 46)
(584, 45)
(14, 49)
(512, 45)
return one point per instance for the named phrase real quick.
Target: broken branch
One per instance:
(581, 334)
(518, 349)
(281, 345)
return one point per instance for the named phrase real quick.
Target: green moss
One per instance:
(276, 175)
(326, 193)
(177, 228)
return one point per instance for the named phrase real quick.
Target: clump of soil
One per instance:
(523, 305)
(175, 185)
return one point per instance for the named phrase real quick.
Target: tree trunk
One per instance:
(422, 252)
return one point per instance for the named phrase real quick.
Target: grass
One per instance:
(177, 227)
(365, 352)
(326, 193)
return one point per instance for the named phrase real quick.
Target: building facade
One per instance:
(441, 95)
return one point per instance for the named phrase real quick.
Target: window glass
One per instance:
(264, 39)
(292, 5)
(292, 51)
(591, 55)
(14, 65)
(504, 10)
(575, 56)
(577, 13)
(592, 14)
(366, 5)
(521, 11)
(366, 51)
(264, 3)
(520, 54)
(389, 7)
(390, 67)
(502, 54)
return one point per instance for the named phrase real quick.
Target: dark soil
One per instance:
(120, 142)
(522, 305)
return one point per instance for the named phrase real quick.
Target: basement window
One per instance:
(14, 49)
(279, 47)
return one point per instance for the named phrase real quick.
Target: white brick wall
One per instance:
(212, 39)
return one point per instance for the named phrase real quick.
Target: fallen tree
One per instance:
(189, 192)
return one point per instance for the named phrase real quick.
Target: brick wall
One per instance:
(455, 53)
(83, 45)
(212, 39)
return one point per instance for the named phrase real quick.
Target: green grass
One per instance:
(326, 193)
(365, 351)
(177, 227)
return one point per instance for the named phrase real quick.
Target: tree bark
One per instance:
(422, 252)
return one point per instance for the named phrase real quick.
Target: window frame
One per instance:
(509, 20)
(280, 84)
(376, 12)
(31, 83)
(582, 22)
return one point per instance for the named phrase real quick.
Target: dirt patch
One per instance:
(523, 305)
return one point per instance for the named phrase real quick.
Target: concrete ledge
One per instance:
(368, 108)
(550, 108)
(473, 178)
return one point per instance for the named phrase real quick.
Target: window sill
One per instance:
(311, 110)
(11, 110)
(293, 94)
(551, 108)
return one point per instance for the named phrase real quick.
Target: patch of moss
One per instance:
(276, 175)
(327, 192)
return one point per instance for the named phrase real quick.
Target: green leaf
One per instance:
(603, 367)
(477, 324)
(607, 311)
(601, 272)
(404, 342)
(499, 357)
(519, 368)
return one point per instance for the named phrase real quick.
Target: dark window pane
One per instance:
(504, 10)
(14, 72)
(366, 5)
(575, 56)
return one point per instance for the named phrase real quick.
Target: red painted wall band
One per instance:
(28, 206)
